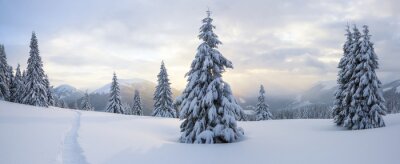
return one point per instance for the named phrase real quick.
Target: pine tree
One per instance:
(63, 104)
(86, 105)
(367, 104)
(23, 92)
(163, 96)
(346, 69)
(127, 109)
(50, 95)
(35, 87)
(208, 107)
(10, 79)
(17, 86)
(114, 102)
(137, 107)
(57, 100)
(262, 110)
(4, 75)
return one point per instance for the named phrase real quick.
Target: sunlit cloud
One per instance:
(287, 46)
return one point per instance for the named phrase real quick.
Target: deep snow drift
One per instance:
(39, 135)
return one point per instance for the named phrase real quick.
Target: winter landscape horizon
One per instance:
(199, 81)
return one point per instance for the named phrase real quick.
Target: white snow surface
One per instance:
(52, 135)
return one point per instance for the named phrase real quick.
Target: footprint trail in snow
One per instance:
(71, 150)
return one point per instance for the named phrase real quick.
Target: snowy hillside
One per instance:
(99, 97)
(53, 135)
(395, 86)
(67, 91)
(321, 92)
(139, 83)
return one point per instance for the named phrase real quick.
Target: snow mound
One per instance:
(36, 135)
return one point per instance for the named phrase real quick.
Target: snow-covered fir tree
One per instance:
(367, 104)
(262, 110)
(127, 109)
(4, 90)
(208, 107)
(163, 106)
(24, 92)
(86, 105)
(63, 104)
(35, 87)
(17, 86)
(75, 105)
(176, 105)
(114, 102)
(346, 69)
(137, 106)
(10, 79)
(50, 95)
(58, 101)
(4, 75)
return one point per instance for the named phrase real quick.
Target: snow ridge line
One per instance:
(71, 151)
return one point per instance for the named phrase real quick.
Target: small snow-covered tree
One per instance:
(262, 110)
(50, 95)
(63, 104)
(367, 104)
(176, 105)
(137, 107)
(4, 75)
(57, 101)
(127, 109)
(75, 105)
(163, 96)
(86, 105)
(208, 107)
(4, 90)
(114, 102)
(346, 69)
(35, 87)
(17, 86)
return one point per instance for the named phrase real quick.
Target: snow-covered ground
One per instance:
(40, 135)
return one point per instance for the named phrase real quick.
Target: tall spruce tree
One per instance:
(208, 107)
(5, 77)
(262, 110)
(86, 105)
(163, 96)
(137, 106)
(346, 69)
(35, 87)
(17, 86)
(114, 102)
(367, 104)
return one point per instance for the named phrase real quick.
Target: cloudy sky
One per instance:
(285, 45)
